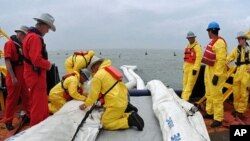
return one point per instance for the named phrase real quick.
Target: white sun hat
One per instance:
(23, 29)
(242, 34)
(48, 19)
(94, 60)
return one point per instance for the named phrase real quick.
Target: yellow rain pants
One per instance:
(116, 100)
(189, 79)
(241, 82)
(56, 98)
(77, 62)
(214, 95)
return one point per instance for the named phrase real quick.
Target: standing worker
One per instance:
(107, 83)
(242, 74)
(36, 65)
(79, 60)
(191, 66)
(16, 87)
(215, 59)
(69, 88)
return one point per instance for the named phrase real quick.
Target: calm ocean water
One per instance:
(157, 64)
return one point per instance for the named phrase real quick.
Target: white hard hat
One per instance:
(190, 34)
(242, 34)
(94, 60)
(47, 19)
(86, 73)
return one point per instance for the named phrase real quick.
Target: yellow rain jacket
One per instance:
(56, 95)
(77, 62)
(189, 79)
(116, 100)
(241, 81)
(214, 95)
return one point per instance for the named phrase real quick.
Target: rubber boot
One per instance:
(9, 126)
(135, 120)
(215, 124)
(131, 108)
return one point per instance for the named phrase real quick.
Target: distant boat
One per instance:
(174, 54)
(146, 53)
(119, 55)
(100, 53)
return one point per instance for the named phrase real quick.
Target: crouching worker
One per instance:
(69, 88)
(107, 84)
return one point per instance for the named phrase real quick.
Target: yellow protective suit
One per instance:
(3, 70)
(56, 97)
(189, 79)
(241, 81)
(77, 62)
(116, 100)
(214, 95)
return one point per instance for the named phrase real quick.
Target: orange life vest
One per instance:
(209, 55)
(114, 72)
(189, 55)
(82, 53)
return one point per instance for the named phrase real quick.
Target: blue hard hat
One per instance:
(213, 25)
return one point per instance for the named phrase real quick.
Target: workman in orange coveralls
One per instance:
(36, 65)
(14, 79)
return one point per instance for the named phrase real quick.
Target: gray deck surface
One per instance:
(151, 131)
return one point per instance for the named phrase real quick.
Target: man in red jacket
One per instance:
(36, 65)
(14, 79)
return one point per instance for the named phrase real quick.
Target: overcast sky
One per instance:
(149, 24)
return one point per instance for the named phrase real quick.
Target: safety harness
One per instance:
(81, 53)
(116, 74)
(18, 50)
(44, 51)
(66, 94)
(246, 57)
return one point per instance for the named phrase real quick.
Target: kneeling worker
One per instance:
(107, 83)
(69, 88)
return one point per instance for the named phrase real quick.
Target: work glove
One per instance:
(194, 72)
(215, 80)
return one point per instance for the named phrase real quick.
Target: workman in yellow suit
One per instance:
(105, 81)
(191, 66)
(79, 60)
(69, 88)
(215, 74)
(242, 75)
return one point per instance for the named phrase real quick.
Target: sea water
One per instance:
(164, 65)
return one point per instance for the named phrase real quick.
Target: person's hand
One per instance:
(82, 107)
(215, 80)
(194, 72)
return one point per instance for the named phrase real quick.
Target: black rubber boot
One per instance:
(207, 116)
(215, 124)
(135, 120)
(9, 126)
(131, 108)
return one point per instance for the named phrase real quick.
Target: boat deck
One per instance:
(216, 134)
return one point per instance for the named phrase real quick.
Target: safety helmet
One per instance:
(93, 61)
(242, 34)
(190, 34)
(86, 73)
(213, 25)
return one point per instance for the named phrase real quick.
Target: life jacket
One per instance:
(209, 56)
(18, 50)
(246, 57)
(81, 53)
(189, 55)
(66, 92)
(43, 52)
(116, 74)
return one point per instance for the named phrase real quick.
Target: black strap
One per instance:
(238, 61)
